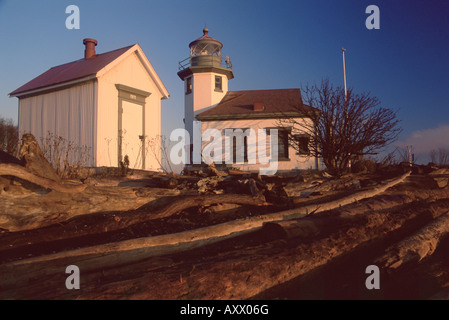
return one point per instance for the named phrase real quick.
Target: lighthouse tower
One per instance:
(205, 74)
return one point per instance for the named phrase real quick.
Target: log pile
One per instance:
(138, 233)
(39, 198)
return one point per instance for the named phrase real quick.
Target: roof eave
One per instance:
(265, 115)
(147, 65)
(52, 87)
(182, 74)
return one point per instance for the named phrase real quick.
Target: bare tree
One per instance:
(2, 134)
(433, 156)
(343, 127)
(443, 157)
(440, 157)
(160, 149)
(406, 154)
(9, 136)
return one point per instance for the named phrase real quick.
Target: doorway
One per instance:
(131, 126)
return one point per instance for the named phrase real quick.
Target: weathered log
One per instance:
(36, 168)
(441, 177)
(416, 247)
(33, 210)
(346, 215)
(340, 202)
(181, 203)
(308, 228)
(22, 173)
(304, 189)
(212, 171)
(34, 159)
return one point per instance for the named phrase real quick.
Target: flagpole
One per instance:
(344, 71)
(346, 100)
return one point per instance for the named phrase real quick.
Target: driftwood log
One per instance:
(36, 169)
(420, 245)
(23, 173)
(34, 160)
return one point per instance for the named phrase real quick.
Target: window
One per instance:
(239, 151)
(188, 85)
(282, 143)
(302, 143)
(239, 142)
(218, 83)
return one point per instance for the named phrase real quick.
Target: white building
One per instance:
(108, 103)
(207, 99)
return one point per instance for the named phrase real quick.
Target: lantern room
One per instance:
(205, 52)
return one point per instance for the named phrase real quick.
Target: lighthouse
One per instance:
(205, 74)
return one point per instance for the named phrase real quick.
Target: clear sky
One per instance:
(272, 44)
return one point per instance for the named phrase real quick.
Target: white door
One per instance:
(132, 132)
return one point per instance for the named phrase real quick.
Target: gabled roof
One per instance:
(82, 70)
(277, 103)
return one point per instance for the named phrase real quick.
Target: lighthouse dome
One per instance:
(205, 45)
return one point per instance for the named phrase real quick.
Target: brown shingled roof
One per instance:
(276, 103)
(70, 71)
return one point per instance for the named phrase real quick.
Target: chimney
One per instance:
(258, 106)
(90, 44)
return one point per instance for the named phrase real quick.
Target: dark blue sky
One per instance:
(272, 44)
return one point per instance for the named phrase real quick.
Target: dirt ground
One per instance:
(261, 264)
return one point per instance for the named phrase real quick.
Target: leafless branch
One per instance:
(343, 128)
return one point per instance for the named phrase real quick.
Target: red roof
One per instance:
(240, 105)
(71, 71)
(204, 37)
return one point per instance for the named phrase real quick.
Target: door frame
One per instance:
(136, 96)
